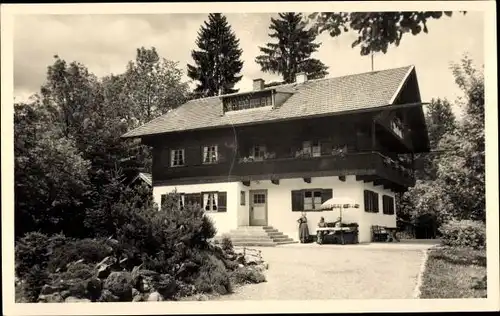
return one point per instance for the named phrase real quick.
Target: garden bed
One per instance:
(453, 272)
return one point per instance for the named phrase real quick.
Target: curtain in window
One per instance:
(205, 154)
(214, 201)
(205, 202)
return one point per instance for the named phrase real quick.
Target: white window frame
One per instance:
(210, 154)
(315, 204)
(173, 157)
(210, 202)
(262, 150)
(312, 147)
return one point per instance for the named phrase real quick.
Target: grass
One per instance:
(453, 273)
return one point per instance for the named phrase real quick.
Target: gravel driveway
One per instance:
(310, 271)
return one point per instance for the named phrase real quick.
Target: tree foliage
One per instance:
(291, 54)
(376, 30)
(217, 63)
(458, 190)
(70, 164)
(152, 86)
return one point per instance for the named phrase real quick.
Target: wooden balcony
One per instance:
(372, 165)
(367, 166)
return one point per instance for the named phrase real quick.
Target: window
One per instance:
(181, 201)
(243, 102)
(210, 154)
(259, 198)
(388, 205)
(177, 157)
(214, 201)
(312, 148)
(163, 200)
(310, 199)
(371, 201)
(192, 199)
(397, 126)
(259, 151)
(210, 201)
(243, 197)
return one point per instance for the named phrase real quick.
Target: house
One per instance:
(142, 177)
(260, 158)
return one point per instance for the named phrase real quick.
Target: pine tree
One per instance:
(439, 120)
(217, 63)
(292, 53)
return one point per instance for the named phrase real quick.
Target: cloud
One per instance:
(105, 43)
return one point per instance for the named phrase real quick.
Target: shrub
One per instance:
(227, 245)
(30, 251)
(213, 276)
(35, 280)
(465, 233)
(90, 250)
(120, 285)
(247, 275)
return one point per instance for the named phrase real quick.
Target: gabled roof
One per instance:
(146, 177)
(312, 98)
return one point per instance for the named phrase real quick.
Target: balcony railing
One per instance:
(363, 163)
(360, 163)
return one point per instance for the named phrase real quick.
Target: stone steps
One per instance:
(258, 236)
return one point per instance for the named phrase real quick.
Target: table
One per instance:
(319, 237)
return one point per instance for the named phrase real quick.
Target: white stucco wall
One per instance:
(224, 221)
(280, 214)
(376, 218)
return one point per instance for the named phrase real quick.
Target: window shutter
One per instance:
(326, 194)
(375, 202)
(367, 200)
(221, 202)
(297, 201)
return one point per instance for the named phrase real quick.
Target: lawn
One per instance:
(454, 273)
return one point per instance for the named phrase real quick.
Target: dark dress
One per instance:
(303, 229)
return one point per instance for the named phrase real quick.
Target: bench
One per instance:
(381, 233)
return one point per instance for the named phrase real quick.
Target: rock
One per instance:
(105, 266)
(166, 286)
(74, 263)
(155, 297)
(135, 292)
(65, 294)
(93, 287)
(77, 288)
(103, 271)
(107, 296)
(72, 299)
(49, 289)
(144, 280)
(120, 284)
(138, 298)
(201, 297)
(51, 298)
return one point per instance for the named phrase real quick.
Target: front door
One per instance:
(258, 208)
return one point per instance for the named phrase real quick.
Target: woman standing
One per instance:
(303, 228)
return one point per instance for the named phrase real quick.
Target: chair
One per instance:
(379, 233)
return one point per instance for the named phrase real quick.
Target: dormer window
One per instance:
(311, 148)
(248, 101)
(258, 152)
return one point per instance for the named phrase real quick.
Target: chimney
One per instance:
(300, 77)
(258, 84)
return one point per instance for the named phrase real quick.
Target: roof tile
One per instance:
(313, 97)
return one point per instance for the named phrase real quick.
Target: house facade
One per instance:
(262, 157)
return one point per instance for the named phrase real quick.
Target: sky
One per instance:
(105, 43)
